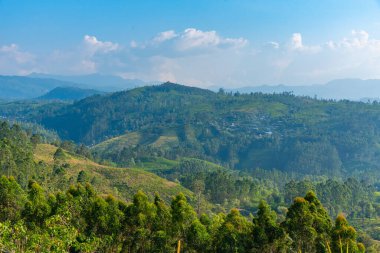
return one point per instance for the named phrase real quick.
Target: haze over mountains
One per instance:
(351, 89)
(21, 87)
(69, 93)
(37, 85)
(101, 82)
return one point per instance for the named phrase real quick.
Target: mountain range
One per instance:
(107, 83)
(69, 93)
(351, 89)
(36, 85)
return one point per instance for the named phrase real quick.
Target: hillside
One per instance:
(69, 93)
(21, 87)
(121, 182)
(46, 190)
(243, 131)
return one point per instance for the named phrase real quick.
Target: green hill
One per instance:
(68, 93)
(241, 131)
(121, 182)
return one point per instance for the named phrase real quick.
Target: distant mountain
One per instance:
(69, 93)
(21, 87)
(96, 81)
(351, 89)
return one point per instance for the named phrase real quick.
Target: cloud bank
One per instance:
(205, 58)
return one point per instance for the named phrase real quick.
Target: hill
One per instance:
(121, 182)
(21, 87)
(107, 83)
(69, 93)
(57, 170)
(243, 131)
(351, 89)
(162, 105)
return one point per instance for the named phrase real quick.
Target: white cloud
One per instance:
(297, 44)
(202, 58)
(192, 38)
(164, 36)
(133, 44)
(359, 40)
(274, 44)
(297, 41)
(15, 61)
(94, 45)
(12, 52)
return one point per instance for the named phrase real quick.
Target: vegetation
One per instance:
(241, 131)
(79, 220)
(57, 168)
(235, 164)
(68, 93)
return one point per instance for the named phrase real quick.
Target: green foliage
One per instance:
(16, 153)
(249, 131)
(268, 236)
(344, 237)
(59, 154)
(37, 208)
(234, 235)
(79, 220)
(12, 199)
(308, 224)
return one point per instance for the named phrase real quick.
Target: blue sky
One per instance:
(227, 43)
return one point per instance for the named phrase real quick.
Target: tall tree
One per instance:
(268, 236)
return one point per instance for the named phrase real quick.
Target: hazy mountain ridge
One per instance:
(351, 89)
(108, 83)
(21, 87)
(69, 93)
(36, 85)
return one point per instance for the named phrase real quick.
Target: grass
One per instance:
(165, 142)
(120, 182)
(157, 163)
(117, 143)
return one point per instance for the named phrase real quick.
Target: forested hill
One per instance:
(97, 118)
(69, 93)
(280, 131)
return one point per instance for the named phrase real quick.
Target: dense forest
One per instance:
(108, 173)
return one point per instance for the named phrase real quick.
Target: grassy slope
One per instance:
(122, 182)
(165, 141)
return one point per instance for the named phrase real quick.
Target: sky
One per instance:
(230, 43)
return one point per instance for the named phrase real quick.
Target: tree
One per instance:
(268, 236)
(234, 235)
(162, 227)
(59, 154)
(37, 208)
(183, 216)
(299, 223)
(141, 215)
(82, 177)
(344, 237)
(197, 237)
(12, 199)
(321, 222)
